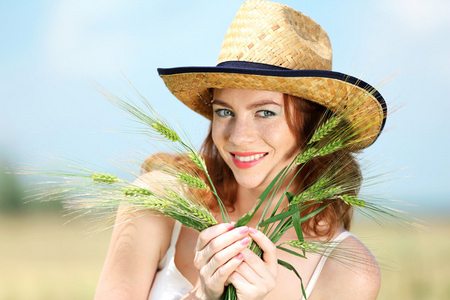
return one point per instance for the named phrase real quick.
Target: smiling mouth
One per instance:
(246, 160)
(249, 158)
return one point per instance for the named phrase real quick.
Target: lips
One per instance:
(245, 160)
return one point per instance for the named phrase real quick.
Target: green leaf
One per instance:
(291, 268)
(298, 227)
(313, 213)
(230, 293)
(290, 196)
(280, 216)
(248, 216)
(280, 230)
(291, 251)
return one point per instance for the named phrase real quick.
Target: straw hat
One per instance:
(270, 46)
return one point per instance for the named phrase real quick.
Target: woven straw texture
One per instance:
(363, 112)
(275, 34)
(272, 33)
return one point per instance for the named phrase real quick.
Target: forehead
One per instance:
(247, 96)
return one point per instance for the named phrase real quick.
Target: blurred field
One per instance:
(422, 259)
(40, 258)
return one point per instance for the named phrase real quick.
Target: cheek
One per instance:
(277, 131)
(284, 136)
(219, 140)
(217, 133)
(213, 131)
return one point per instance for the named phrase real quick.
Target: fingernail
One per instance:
(243, 229)
(240, 256)
(230, 226)
(252, 230)
(245, 241)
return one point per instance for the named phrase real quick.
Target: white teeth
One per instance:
(249, 158)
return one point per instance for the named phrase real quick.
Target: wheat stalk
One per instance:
(192, 181)
(90, 191)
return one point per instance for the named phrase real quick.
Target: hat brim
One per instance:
(362, 104)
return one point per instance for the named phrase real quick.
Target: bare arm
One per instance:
(139, 241)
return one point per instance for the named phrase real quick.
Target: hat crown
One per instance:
(275, 34)
(272, 47)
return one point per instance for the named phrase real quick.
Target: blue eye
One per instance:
(265, 114)
(221, 112)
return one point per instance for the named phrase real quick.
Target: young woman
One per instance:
(272, 59)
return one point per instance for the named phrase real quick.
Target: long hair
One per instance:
(303, 117)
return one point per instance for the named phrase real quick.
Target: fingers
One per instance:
(252, 276)
(218, 254)
(256, 276)
(225, 261)
(254, 269)
(210, 233)
(213, 284)
(217, 238)
(220, 275)
(268, 248)
(222, 257)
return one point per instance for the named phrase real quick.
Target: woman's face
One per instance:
(250, 131)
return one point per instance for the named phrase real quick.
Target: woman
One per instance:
(273, 58)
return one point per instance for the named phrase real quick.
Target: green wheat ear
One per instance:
(165, 131)
(352, 200)
(188, 209)
(312, 152)
(325, 129)
(192, 181)
(306, 156)
(317, 196)
(207, 219)
(319, 191)
(198, 160)
(308, 247)
(104, 178)
(155, 203)
(331, 147)
(136, 192)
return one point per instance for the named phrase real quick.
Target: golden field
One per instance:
(41, 258)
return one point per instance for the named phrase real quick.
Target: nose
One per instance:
(242, 132)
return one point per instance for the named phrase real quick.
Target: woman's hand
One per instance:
(218, 254)
(222, 258)
(254, 278)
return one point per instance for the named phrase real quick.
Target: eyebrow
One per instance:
(251, 106)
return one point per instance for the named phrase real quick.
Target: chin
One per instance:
(249, 182)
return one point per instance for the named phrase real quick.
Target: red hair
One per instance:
(303, 117)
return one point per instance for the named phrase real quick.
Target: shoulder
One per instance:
(156, 226)
(163, 161)
(352, 272)
(140, 237)
(155, 179)
(164, 170)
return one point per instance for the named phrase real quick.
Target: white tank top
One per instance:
(170, 284)
(312, 282)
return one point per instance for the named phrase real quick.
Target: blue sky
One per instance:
(52, 51)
